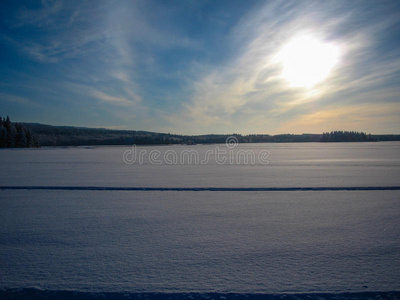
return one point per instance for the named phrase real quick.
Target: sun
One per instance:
(307, 61)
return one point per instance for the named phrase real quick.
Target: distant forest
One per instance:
(36, 135)
(15, 135)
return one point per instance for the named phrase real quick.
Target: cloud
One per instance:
(40, 17)
(56, 30)
(252, 76)
(16, 99)
(111, 99)
(197, 67)
(249, 91)
(373, 118)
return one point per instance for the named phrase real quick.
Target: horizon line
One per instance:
(206, 189)
(200, 134)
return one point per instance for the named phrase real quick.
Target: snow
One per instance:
(202, 241)
(289, 165)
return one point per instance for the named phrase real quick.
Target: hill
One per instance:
(78, 136)
(36, 135)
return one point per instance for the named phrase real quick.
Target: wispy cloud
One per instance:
(111, 99)
(17, 99)
(372, 117)
(40, 17)
(249, 87)
(199, 67)
(56, 30)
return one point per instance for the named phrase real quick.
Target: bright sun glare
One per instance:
(306, 61)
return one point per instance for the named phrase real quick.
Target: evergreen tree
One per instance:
(16, 135)
(29, 138)
(20, 138)
(3, 134)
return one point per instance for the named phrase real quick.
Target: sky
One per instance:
(199, 67)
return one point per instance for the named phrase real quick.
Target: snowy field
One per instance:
(287, 165)
(249, 244)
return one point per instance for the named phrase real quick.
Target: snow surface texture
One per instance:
(241, 242)
(290, 165)
(144, 242)
(37, 294)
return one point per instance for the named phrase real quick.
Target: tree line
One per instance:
(80, 136)
(16, 135)
(347, 136)
(36, 135)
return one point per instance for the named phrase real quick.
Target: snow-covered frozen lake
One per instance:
(287, 165)
(234, 241)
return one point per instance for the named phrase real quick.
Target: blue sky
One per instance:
(195, 67)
